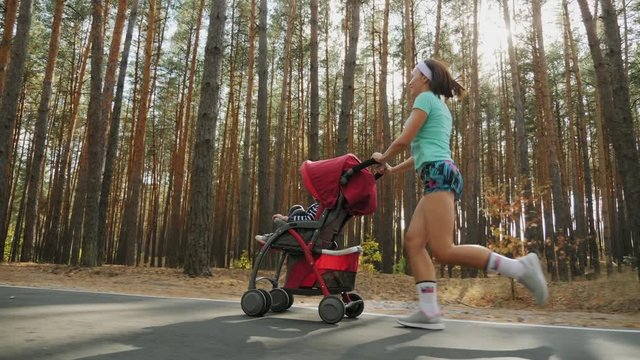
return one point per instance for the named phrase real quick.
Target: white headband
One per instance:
(424, 69)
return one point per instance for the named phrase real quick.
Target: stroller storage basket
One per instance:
(338, 272)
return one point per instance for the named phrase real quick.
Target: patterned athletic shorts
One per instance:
(441, 175)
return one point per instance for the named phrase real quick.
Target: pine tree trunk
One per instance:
(10, 8)
(284, 95)
(621, 126)
(59, 230)
(615, 127)
(73, 232)
(95, 140)
(175, 248)
(315, 96)
(31, 212)
(387, 241)
(264, 163)
(15, 243)
(245, 210)
(129, 229)
(8, 109)
(583, 150)
(328, 121)
(472, 168)
(409, 197)
(522, 153)
(578, 166)
(49, 245)
(437, 36)
(109, 84)
(342, 143)
(200, 210)
(561, 211)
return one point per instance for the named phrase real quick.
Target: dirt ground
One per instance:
(612, 302)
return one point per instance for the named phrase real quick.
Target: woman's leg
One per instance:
(416, 239)
(415, 242)
(439, 221)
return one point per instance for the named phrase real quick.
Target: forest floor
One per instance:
(606, 302)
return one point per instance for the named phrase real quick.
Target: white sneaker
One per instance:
(420, 320)
(533, 278)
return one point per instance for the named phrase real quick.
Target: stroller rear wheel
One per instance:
(280, 300)
(256, 302)
(355, 307)
(290, 298)
(331, 309)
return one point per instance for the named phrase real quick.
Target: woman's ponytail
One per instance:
(443, 84)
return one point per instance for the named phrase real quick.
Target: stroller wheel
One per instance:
(267, 305)
(255, 302)
(280, 300)
(290, 298)
(355, 307)
(331, 309)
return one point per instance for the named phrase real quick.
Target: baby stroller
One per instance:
(344, 187)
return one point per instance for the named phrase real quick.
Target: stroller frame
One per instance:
(337, 301)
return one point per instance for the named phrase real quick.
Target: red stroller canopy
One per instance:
(322, 180)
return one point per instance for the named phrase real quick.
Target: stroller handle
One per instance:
(363, 165)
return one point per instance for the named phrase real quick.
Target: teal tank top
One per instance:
(432, 140)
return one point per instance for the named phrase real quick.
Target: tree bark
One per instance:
(561, 211)
(244, 212)
(616, 127)
(284, 95)
(387, 241)
(409, 197)
(264, 164)
(583, 151)
(621, 126)
(8, 110)
(436, 38)
(109, 84)
(176, 252)
(201, 210)
(60, 230)
(129, 229)
(95, 140)
(315, 95)
(575, 171)
(40, 132)
(522, 146)
(472, 168)
(10, 8)
(346, 103)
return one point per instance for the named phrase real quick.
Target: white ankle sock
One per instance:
(505, 266)
(428, 299)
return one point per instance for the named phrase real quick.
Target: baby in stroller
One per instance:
(343, 187)
(296, 213)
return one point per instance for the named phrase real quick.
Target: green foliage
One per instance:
(401, 266)
(243, 263)
(370, 254)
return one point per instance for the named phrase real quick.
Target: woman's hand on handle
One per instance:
(382, 167)
(378, 157)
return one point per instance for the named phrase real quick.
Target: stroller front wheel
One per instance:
(331, 309)
(256, 302)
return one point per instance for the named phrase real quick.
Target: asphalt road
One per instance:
(57, 324)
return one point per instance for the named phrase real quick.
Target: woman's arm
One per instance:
(413, 125)
(403, 166)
